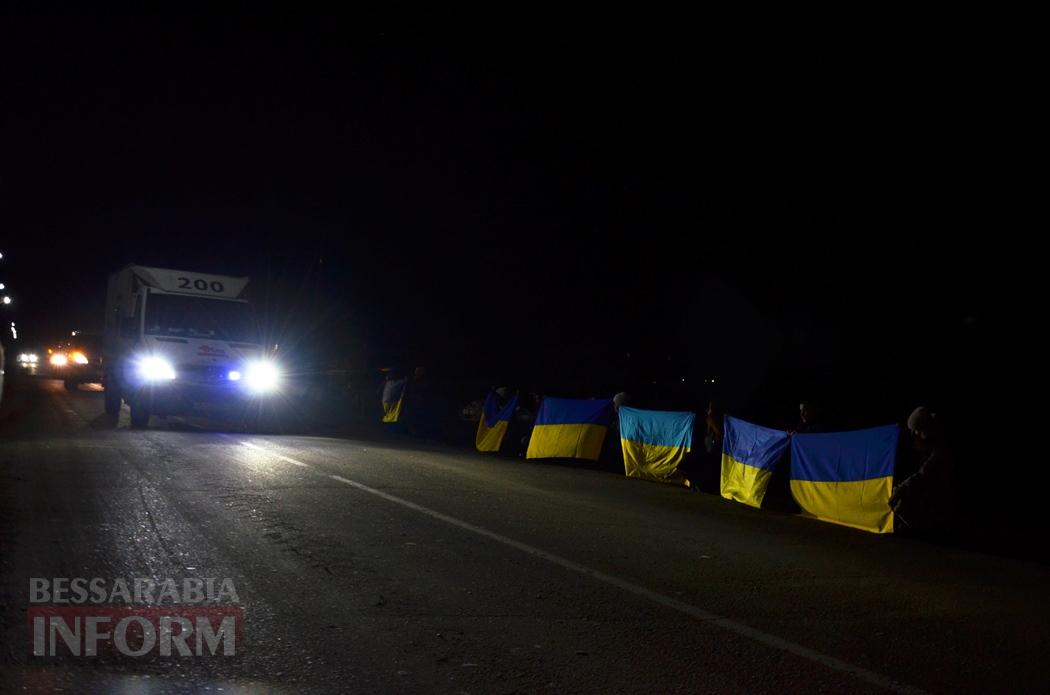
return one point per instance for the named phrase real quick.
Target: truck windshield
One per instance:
(200, 317)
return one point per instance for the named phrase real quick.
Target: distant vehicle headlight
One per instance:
(32, 358)
(156, 369)
(80, 358)
(262, 376)
(59, 360)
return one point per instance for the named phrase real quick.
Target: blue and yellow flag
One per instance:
(655, 443)
(570, 429)
(393, 396)
(846, 477)
(749, 454)
(493, 423)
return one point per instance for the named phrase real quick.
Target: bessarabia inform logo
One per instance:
(134, 617)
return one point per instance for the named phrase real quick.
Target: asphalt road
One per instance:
(391, 566)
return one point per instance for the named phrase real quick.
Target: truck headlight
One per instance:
(262, 376)
(80, 358)
(58, 360)
(156, 369)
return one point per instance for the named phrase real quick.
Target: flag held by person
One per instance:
(749, 455)
(567, 428)
(846, 477)
(393, 397)
(655, 443)
(494, 421)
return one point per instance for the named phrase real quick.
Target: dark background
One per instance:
(579, 204)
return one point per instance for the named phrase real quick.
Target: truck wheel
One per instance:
(112, 398)
(70, 385)
(139, 415)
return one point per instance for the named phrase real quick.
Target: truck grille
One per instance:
(204, 375)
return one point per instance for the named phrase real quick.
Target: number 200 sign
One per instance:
(200, 285)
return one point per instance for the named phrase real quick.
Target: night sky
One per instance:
(575, 201)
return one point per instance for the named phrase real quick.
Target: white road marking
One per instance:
(688, 609)
(274, 454)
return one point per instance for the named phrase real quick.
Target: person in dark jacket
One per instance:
(808, 420)
(924, 502)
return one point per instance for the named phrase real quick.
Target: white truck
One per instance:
(176, 342)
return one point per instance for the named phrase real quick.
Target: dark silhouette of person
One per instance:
(712, 431)
(925, 501)
(704, 467)
(808, 420)
(520, 431)
(611, 454)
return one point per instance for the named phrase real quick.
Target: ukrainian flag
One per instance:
(846, 477)
(749, 454)
(493, 423)
(393, 396)
(655, 443)
(570, 429)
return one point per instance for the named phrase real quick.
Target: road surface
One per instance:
(393, 566)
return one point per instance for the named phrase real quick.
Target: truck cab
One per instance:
(178, 342)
